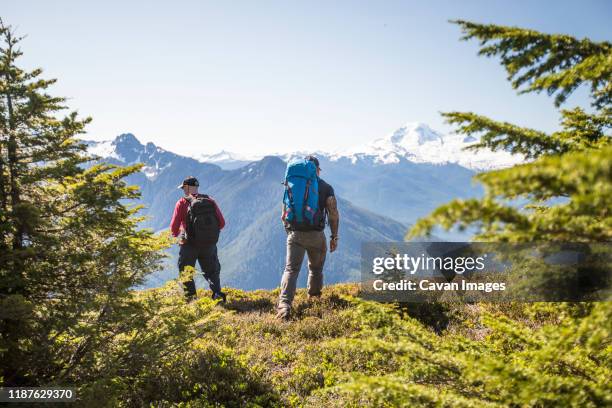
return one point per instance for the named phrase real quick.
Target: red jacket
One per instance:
(180, 214)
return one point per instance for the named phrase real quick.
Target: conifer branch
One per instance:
(555, 63)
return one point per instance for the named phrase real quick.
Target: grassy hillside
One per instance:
(341, 351)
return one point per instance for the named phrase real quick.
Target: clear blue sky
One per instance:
(265, 76)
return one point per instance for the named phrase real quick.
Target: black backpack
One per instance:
(202, 222)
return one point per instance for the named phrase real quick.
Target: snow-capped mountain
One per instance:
(403, 187)
(126, 149)
(404, 175)
(226, 160)
(415, 142)
(252, 245)
(418, 143)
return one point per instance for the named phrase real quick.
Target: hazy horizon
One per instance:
(314, 149)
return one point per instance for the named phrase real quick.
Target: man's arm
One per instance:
(282, 217)
(178, 217)
(334, 221)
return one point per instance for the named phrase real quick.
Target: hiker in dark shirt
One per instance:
(198, 220)
(311, 242)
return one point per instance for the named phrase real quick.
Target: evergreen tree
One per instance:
(566, 181)
(70, 249)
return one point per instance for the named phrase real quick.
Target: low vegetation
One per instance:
(342, 351)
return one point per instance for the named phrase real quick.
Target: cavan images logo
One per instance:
(460, 271)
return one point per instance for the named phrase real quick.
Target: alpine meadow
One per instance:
(73, 252)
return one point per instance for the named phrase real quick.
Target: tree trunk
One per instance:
(13, 328)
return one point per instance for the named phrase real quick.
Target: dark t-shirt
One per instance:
(325, 191)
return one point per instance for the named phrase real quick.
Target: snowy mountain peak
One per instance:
(415, 132)
(127, 140)
(150, 147)
(418, 143)
(127, 149)
(224, 159)
(223, 155)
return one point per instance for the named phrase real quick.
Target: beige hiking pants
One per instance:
(299, 243)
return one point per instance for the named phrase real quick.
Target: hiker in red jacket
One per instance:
(197, 221)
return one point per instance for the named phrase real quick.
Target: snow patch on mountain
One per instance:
(226, 160)
(418, 143)
(118, 148)
(223, 156)
(103, 149)
(151, 172)
(127, 149)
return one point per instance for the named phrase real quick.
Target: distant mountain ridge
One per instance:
(226, 160)
(415, 142)
(252, 246)
(393, 185)
(381, 191)
(127, 149)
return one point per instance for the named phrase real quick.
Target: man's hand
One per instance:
(333, 244)
(334, 221)
(181, 237)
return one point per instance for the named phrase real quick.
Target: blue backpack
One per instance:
(301, 199)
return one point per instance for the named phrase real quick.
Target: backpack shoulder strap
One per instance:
(190, 198)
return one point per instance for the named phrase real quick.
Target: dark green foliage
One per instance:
(566, 196)
(164, 357)
(565, 187)
(553, 63)
(70, 249)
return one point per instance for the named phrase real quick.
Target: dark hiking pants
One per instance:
(300, 243)
(209, 263)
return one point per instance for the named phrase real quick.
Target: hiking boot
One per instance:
(221, 296)
(313, 297)
(283, 314)
(189, 290)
